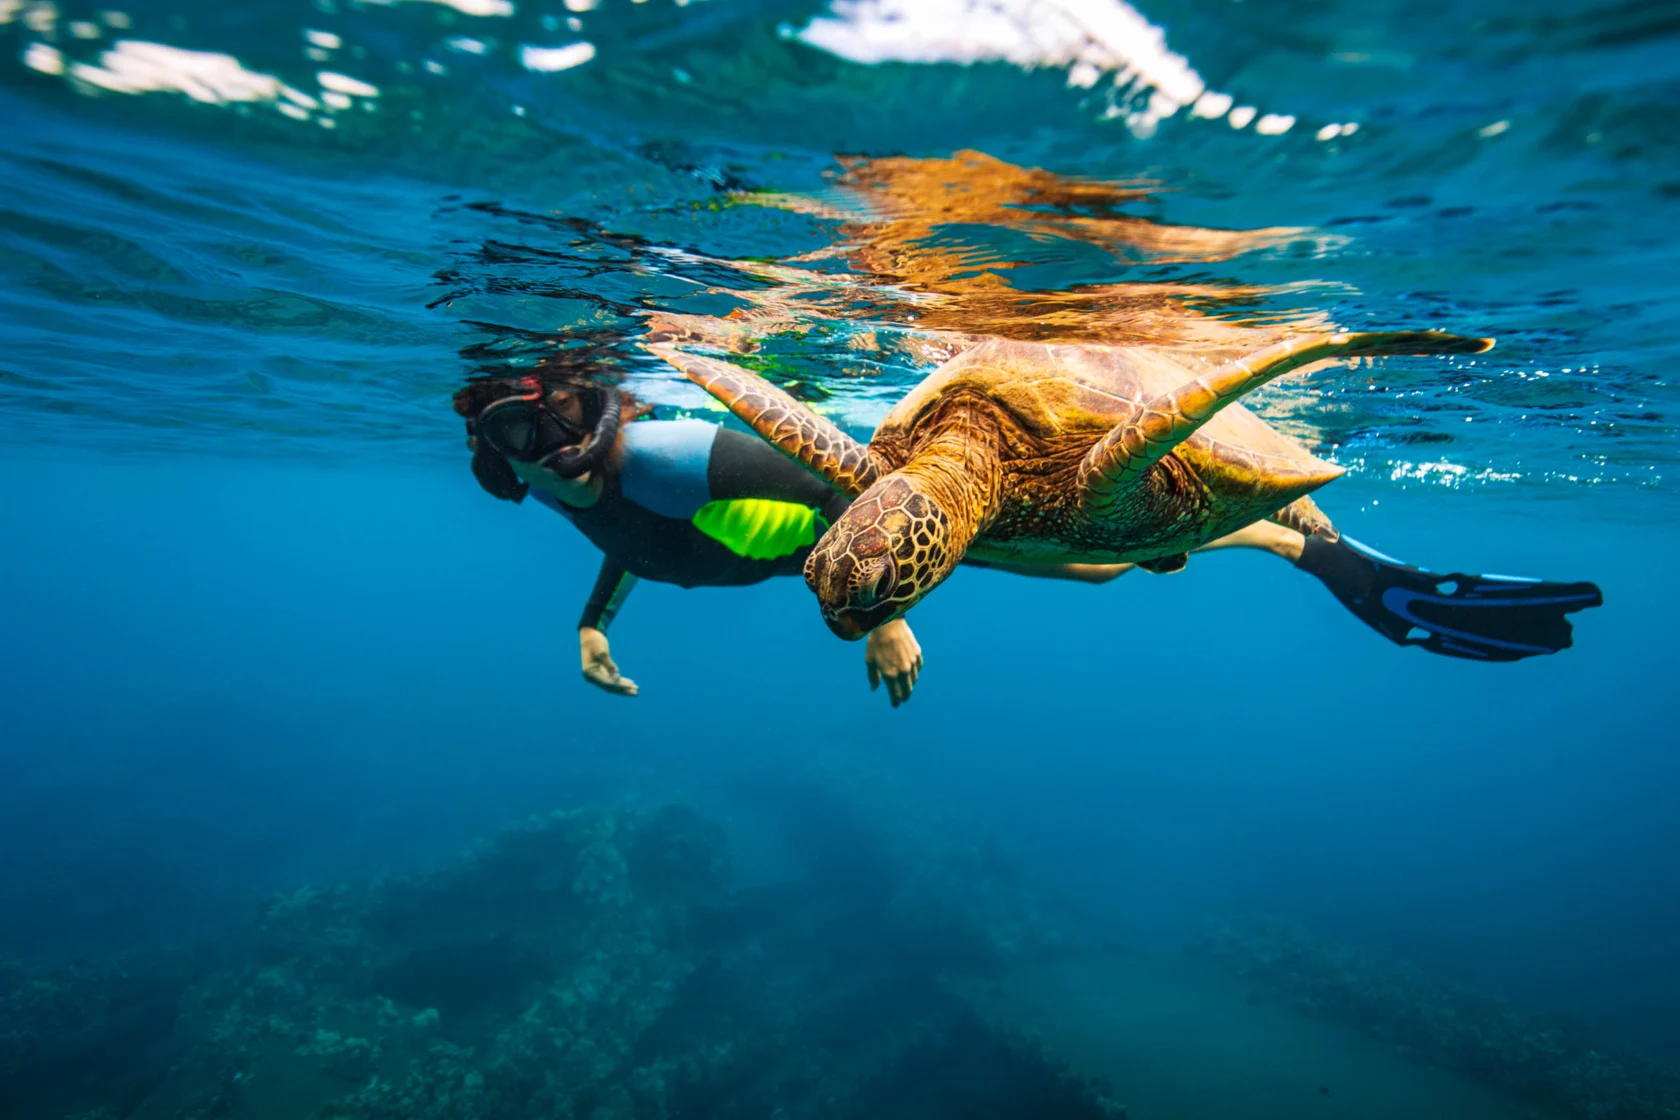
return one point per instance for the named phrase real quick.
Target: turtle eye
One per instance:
(875, 582)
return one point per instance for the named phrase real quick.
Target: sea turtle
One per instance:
(1030, 453)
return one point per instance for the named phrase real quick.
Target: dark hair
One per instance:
(480, 392)
(496, 475)
(473, 397)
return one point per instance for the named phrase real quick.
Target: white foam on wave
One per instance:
(1088, 38)
(553, 59)
(136, 66)
(488, 8)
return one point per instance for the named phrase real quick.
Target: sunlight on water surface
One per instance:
(307, 214)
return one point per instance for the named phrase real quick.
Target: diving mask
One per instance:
(528, 427)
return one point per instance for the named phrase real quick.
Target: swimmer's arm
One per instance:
(1077, 573)
(612, 587)
(599, 669)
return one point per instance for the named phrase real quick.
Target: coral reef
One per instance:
(93, 1034)
(596, 964)
(1555, 1063)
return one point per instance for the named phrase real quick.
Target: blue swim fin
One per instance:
(1478, 617)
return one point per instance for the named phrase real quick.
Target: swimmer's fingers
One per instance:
(605, 676)
(599, 669)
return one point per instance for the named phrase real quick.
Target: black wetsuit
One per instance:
(697, 505)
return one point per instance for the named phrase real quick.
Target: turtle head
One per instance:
(889, 549)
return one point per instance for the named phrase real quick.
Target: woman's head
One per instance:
(561, 425)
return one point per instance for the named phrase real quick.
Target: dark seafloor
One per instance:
(305, 813)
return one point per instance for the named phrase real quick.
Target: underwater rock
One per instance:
(93, 1035)
(1555, 1063)
(972, 1069)
(523, 972)
(599, 964)
(939, 885)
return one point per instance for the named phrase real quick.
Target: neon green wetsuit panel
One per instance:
(760, 528)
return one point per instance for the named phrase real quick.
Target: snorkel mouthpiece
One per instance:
(570, 461)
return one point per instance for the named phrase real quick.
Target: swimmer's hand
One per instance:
(893, 655)
(598, 667)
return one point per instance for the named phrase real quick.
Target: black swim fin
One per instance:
(1482, 618)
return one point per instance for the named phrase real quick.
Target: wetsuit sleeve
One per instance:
(612, 587)
(743, 466)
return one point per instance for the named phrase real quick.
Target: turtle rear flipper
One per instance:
(1477, 617)
(1304, 516)
(800, 434)
(1165, 565)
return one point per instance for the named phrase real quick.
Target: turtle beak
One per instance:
(850, 625)
(844, 625)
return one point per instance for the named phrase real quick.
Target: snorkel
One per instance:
(570, 460)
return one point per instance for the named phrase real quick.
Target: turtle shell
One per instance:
(1052, 403)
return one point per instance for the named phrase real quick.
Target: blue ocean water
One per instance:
(263, 632)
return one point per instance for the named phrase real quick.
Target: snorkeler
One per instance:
(697, 504)
(674, 501)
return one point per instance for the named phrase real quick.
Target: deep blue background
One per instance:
(328, 654)
(224, 678)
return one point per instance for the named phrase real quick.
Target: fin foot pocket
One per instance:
(1477, 617)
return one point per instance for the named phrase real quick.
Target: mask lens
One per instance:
(572, 431)
(511, 428)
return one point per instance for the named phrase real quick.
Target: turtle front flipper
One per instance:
(813, 442)
(1116, 466)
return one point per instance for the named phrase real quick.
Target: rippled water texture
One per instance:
(282, 226)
